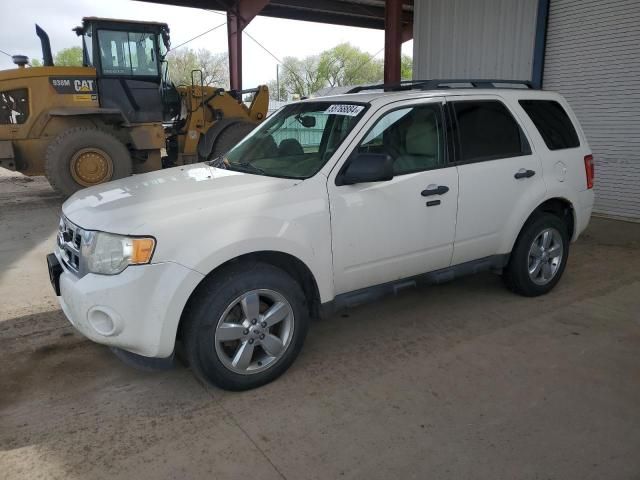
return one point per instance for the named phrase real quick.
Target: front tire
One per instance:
(245, 326)
(539, 256)
(83, 157)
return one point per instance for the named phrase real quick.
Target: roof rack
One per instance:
(444, 83)
(388, 87)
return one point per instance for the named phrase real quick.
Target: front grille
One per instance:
(69, 245)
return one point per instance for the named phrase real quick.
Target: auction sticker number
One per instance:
(344, 109)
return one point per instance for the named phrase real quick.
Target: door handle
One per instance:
(439, 190)
(522, 173)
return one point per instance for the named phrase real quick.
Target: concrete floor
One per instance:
(463, 380)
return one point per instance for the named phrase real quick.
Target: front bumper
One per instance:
(137, 310)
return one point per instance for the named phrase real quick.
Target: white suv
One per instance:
(328, 203)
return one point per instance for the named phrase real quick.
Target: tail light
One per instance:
(589, 169)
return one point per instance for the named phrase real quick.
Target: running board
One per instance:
(370, 294)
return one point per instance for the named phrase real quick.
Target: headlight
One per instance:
(109, 254)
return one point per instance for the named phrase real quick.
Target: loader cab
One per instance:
(129, 60)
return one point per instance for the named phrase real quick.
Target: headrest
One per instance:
(422, 137)
(290, 146)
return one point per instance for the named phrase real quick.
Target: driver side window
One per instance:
(411, 136)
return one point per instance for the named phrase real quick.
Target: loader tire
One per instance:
(83, 157)
(230, 137)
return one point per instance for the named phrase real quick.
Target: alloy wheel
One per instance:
(545, 256)
(254, 331)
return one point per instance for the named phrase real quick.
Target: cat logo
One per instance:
(84, 86)
(74, 85)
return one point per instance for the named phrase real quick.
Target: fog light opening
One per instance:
(102, 322)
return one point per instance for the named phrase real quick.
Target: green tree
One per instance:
(35, 62)
(212, 65)
(301, 76)
(406, 67)
(345, 65)
(342, 65)
(69, 57)
(273, 90)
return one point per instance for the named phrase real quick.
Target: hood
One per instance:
(46, 72)
(125, 206)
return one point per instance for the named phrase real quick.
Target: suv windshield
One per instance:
(296, 141)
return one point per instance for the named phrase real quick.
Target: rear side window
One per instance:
(552, 122)
(487, 131)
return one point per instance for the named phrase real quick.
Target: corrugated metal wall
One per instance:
(593, 59)
(473, 38)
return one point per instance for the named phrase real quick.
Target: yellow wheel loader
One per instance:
(118, 114)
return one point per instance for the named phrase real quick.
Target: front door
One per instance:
(129, 74)
(385, 231)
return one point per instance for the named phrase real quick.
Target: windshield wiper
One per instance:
(245, 167)
(217, 162)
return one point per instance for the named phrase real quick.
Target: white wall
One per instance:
(473, 38)
(593, 59)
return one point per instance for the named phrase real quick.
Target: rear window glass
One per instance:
(552, 122)
(488, 131)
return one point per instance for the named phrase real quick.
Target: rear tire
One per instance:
(252, 309)
(105, 158)
(230, 137)
(539, 256)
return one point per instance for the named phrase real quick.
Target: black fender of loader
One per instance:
(206, 142)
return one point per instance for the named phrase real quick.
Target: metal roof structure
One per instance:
(352, 13)
(395, 17)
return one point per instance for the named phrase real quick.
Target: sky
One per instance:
(281, 37)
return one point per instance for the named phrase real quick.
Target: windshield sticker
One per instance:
(344, 109)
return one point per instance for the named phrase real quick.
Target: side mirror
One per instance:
(366, 167)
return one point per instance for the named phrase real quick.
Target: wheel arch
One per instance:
(31, 151)
(287, 262)
(54, 121)
(561, 207)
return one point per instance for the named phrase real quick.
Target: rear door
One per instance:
(500, 178)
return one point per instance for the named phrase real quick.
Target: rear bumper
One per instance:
(582, 211)
(7, 155)
(137, 310)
